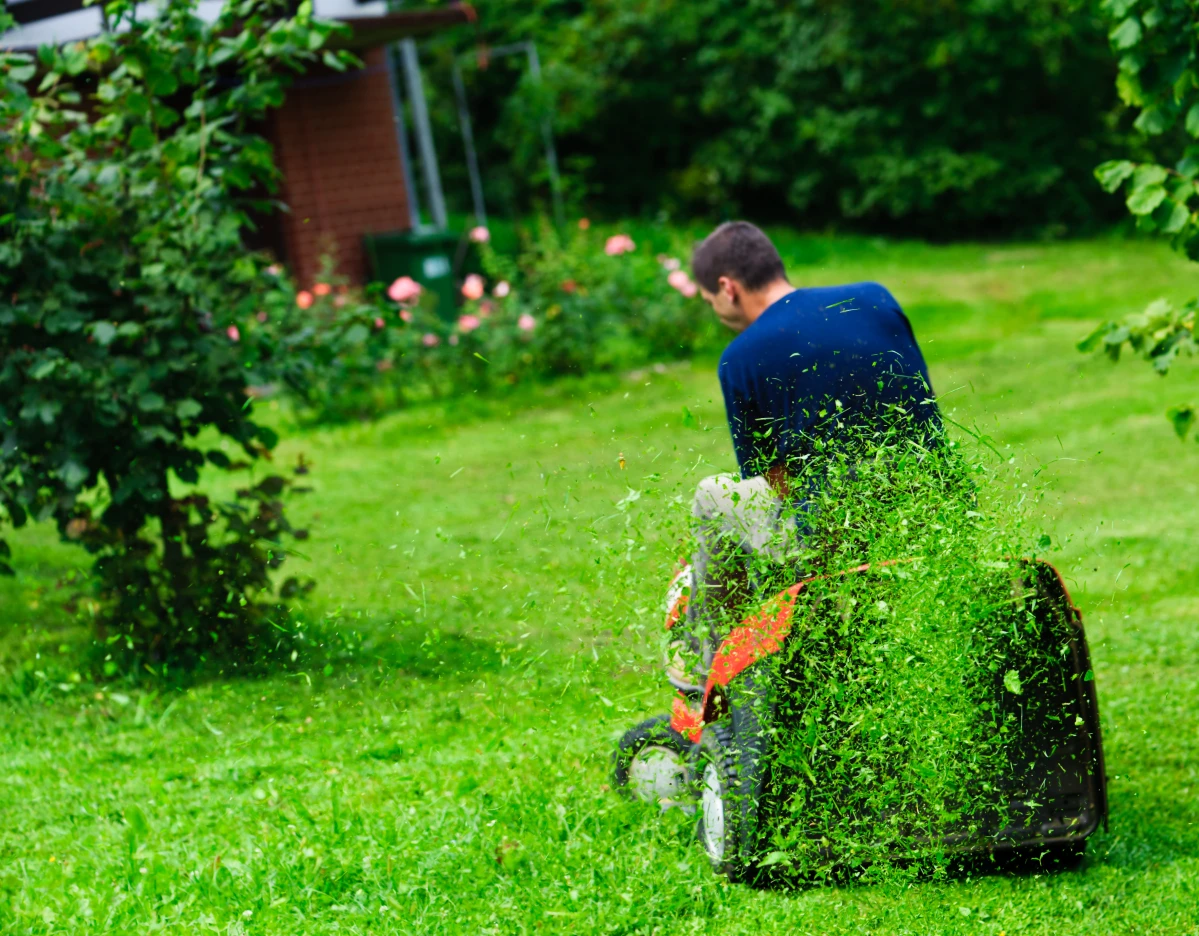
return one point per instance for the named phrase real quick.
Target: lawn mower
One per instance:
(713, 753)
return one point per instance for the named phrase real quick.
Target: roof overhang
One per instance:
(371, 31)
(57, 22)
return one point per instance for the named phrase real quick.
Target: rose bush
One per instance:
(566, 303)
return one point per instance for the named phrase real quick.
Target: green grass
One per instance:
(452, 778)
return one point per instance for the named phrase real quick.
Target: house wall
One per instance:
(335, 143)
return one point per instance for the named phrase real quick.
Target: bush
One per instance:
(568, 304)
(127, 289)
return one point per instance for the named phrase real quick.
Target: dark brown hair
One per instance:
(740, 251)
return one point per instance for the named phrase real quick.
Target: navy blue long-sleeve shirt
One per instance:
(816, 363)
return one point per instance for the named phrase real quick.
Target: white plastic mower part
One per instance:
(658, 775)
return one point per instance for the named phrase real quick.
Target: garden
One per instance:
(325, 607)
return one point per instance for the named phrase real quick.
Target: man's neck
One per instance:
(757, 302)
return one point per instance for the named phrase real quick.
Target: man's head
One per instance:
(739, 273)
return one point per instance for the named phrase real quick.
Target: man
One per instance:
(808, 369)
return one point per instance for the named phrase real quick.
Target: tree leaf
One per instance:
(1176, 219)
(1092, 341)
(1149, 174)
(141, 138)
(150, 402)
(1192, 123)
(104, 332)
(1153, 121)
(73, 474)
(1011, 682)
(1112, 174)
(188, 409)
(1127, 34)
(1143, 200)
(136, 104)
(44, 369)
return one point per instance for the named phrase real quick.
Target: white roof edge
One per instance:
(85, 23)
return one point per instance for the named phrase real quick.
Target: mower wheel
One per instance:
(731, 781)
(653, 764)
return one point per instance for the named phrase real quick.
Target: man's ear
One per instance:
(730, 288)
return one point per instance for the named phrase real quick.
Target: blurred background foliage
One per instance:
(937, 118)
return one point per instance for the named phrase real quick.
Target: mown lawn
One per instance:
(451, 777)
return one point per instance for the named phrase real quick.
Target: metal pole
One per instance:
(547, 134)
(468, 141)
(424, 134)
(401, 128)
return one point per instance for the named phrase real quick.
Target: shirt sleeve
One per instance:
(743, 420)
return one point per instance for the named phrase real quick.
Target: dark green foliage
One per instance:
(932, 117)
(125, 290)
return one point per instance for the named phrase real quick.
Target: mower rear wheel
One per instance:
(653, 764)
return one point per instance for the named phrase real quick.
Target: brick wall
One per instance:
(335, 144)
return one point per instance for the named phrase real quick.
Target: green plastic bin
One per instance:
(426, 256)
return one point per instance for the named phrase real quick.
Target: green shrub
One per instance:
(562, 305)
(128, 338)
(581, 301)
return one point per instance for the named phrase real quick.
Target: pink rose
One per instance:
(274, 269)
(430, 340)
(619, 244)
(453, 339)
(378, 323)
(405, 315)
(473, 287)
(584, 224)
(339, 301)
(526, 322)
(480, 234)
(233, 333)
(261, 316)
(670, 263)
(321, 289)
(501, 289)
(486, 307)
(404, 289)
(468, 323)
(682, 282)
(304, 299)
